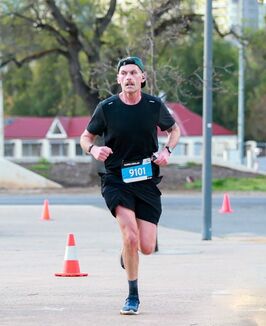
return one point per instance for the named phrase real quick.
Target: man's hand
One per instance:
(101, 153)
(162, 158)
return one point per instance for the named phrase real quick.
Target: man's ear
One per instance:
(144, 76)
(117, 79)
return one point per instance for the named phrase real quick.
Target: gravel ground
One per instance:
(174, 177)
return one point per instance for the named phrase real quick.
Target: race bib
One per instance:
(137, 170)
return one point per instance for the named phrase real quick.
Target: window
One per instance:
(59, 149)
(197, 149)
(31, 149)
(57, 130)
(181, 149)
(79, 151)
(9, 149)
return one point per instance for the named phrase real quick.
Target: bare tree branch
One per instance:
(59, 18)
(101, 25)
(60, 38)
(185, 21)
(103, 22)
(165, 7)
(230, 32)
(32, 57)
(39, 24)
(28, 19)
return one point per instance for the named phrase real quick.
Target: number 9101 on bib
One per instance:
(137, 170)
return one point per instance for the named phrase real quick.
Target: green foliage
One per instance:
(233, 184)
(191, 164)
(41, 89)
(256, 86)
(182, 78)
(43, 167)
(44, 88)
(225, 65)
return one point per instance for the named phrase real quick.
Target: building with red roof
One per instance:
(224, 141)
(190, 123)
(57, 138)
(42, 127)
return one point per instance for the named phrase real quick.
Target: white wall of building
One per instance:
(52, 150)
(189, 149)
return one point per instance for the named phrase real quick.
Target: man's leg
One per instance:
(129, 229)
(147, 236)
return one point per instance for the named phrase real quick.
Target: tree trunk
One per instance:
(89, 96)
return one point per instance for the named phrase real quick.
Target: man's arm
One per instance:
(173, 138)
(100, 153)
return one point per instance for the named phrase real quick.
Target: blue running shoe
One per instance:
(131, 306)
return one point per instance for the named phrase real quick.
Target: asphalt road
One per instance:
(248, 216)
(188, 282)
(182, 212)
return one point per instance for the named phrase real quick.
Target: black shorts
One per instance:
(143, 197)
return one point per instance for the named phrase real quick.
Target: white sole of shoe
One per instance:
(130, 312)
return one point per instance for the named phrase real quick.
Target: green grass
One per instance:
(185, 165)
(42, 167)
(191, 164)
(233, 184)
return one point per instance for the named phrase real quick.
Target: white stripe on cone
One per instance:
(71, 253)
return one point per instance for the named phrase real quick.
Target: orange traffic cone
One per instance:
(226, 207)
(71, 264)
(45, 212)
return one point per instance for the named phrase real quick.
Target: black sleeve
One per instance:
(166, 120)
(97, 124)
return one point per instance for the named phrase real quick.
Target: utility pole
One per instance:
(152, 49)
(207, 125)
(241, 85)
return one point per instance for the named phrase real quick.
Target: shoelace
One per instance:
(132, 302)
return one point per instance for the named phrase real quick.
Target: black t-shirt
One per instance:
(129, 130)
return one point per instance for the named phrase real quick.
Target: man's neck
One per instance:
(130, 98)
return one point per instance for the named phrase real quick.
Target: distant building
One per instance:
(27, 139)
(226, 13)
(190, 147)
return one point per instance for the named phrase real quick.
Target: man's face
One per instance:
(130, 78)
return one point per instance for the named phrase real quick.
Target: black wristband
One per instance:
(89, 149)
(168, 149)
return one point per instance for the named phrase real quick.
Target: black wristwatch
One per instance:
(89, 149)
(170, 150)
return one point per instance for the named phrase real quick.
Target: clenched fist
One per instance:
(101, 153)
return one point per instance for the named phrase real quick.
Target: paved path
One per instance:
(189, 282)
(180, 211)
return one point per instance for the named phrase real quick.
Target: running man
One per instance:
(128, 121)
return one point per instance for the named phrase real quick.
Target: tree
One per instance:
(173, 50)
(24, 23)
(86, 34)
(42, 88)
(256, 86)
(151, 28)
(87, 38)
